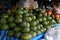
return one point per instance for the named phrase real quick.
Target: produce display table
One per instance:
(26, 24)
(3, 35)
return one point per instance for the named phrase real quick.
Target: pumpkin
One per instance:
(49, 12)
(57, 16)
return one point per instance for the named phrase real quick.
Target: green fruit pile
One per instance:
(26, 24)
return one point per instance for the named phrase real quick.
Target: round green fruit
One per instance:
(45, 15)
(12, 25)
(18, 16)
(38, 26)
(30, 14)
(18, 20)
(41, 25)
(25, 24)
(33, 17)
(26, 29)
(45, 23)
(33, 23)
(4, 27)
(10, 19)
(25, 11)
(47, 26)
(26, 36)
(42, 30)
(40, 19)
(10, 33)
(40, 15)
(53, 21)
(26, 15)
(5, 16)
(19, 12)
(37, 9)
(43, 19)
(48, 22)
(28, 19)
(38, 32)
(20, 8)
(33, 28)
(37, 21)
(3, 21)
(17, 29)
(17, 34)
(49, 18)
(33, 33)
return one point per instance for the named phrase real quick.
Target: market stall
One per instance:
(24, 20)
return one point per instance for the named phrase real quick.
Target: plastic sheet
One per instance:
(3, 36)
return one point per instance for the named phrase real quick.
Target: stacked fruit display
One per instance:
(26, 24)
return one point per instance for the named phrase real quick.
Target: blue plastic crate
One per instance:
(3, 36)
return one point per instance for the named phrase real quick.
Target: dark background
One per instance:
(47, 2)
(8, 4)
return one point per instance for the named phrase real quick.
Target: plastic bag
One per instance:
(53, 34)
